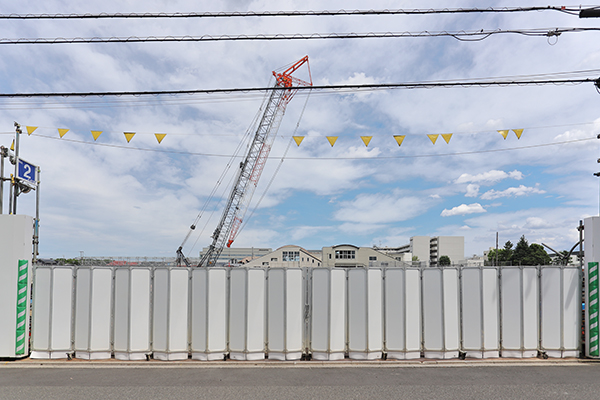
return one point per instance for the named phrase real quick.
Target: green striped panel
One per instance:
(592, 305)
(21, 333)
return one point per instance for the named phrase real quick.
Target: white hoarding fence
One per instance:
(134, 312)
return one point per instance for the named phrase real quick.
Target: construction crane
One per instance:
(252, 167)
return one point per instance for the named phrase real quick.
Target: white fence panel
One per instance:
(285, 314)
(328, 322)
(365, 334)
(171, 301)
(480, 312)
(132, 313)
(561, 311)
(247, 328)
(520, 311)
(209, 314)
(53, 304)
(93, 313)
(402, 313)
(440, 313)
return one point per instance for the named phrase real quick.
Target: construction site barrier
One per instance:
(171, 313)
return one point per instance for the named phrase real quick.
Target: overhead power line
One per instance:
(459, 35)
(574, 10)
(339, 88)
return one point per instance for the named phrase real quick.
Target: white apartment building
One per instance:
(430, 249)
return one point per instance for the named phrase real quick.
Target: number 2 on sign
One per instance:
(27, 174)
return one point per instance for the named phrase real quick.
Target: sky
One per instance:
(113, 198)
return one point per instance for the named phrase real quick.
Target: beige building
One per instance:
(347, 255)
(286, 257)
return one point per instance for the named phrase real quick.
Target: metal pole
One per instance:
(16, 189)
(10, 195)
(36, 229)
(2, 155)
(496, 263)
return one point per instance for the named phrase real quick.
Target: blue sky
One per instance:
(128, 201)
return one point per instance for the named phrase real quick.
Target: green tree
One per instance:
(520, 255)
(504, 255)
(415, 258)
(445, 261)
(526, 254)
(538, 255)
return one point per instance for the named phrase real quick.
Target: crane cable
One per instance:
(278, 165)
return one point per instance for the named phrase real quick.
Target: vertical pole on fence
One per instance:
(460, 309)
(422, 310)
(189, 312)
(444, 347)
(112, 310)
(481, 314)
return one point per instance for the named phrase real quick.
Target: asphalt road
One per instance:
(580, 381)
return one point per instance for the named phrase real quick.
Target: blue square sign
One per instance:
(27, 172)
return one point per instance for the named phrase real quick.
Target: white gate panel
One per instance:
(365, 340)
(94, 307)
(294, 314)
(132, 313)
(53, 304)
(247, 314)
(571, 312)
(520, 315)
(395, 314)
(170, 317)
(451, 312)
(440, 313)
(560, 313)
(209, 314)
(256, 315)
(276, 314)
(284, 316)
(40, 327)
(328, 323)
(491, 313)
(480, 312)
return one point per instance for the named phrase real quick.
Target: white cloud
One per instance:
(463, 209)
(472, 190)
(537, 223)
(522, 190)
(381, 208)
(489, 177)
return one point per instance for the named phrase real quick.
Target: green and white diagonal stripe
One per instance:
(21, 334)
(592, 305)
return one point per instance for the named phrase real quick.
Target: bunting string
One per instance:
(332, 140)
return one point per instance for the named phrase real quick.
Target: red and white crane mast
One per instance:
(252, 167)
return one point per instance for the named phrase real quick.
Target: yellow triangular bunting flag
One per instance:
(96, 134)
(332, 140)
(366, 140)
(62, 132)
(504, 133)
(518, 132)
(399, 139)
(447, 137)
(433, 137)
(298, 139)
(129, 136)
(160, 136)
(31, 129)
(12, 146)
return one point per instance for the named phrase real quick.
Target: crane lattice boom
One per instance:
(251, 168)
